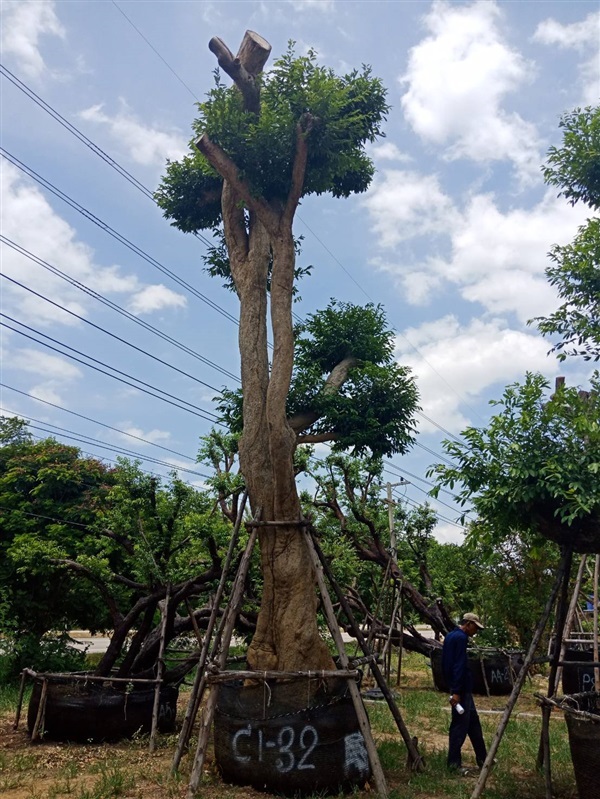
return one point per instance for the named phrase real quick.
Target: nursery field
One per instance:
(49, 770)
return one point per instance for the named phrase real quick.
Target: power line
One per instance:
(183, 83)
(194, 409)
(108, 333)
(85, 439)
(113, 306)
(115, 234)
(95, 421)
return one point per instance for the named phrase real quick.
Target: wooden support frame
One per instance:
(217, 673)
(485, 770)
(197, 689)
(160, 667)
(363, 719)
(414, 757)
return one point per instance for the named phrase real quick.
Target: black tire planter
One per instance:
(295, 737)
(582, 714)
(498, 669)
(92, 711)
(578, 679)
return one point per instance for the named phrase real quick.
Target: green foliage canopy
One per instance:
(535, 467)
(575, 267)
(345, 112)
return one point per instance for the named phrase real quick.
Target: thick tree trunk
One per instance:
(286, 637)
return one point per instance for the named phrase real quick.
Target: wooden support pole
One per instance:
(543, 759)
(197, 688)
(569, 621)
(228, 676)
(160, 667)
(38, 727)
(20, 700)
(401, 637)
(596, 669)
(230, 618)
(363, 719)
(413, 752)
(477, 791)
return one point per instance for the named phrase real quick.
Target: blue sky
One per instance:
(452, 238)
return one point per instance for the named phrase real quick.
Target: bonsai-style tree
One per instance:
(261, 146)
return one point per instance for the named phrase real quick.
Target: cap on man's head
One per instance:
(474, 619)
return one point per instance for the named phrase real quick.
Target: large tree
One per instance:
(261, 146)
(575, 268)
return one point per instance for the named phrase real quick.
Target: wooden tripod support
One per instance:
(206, 681)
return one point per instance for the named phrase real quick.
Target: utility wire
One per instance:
(85, 439)
(110, 304)
(95, 421)
(108, 333)
(169, 67)
(193, 409)
(115, 234)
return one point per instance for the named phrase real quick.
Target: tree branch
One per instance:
(303, 129)
(220, 161)
(244, 81)
(333, 383)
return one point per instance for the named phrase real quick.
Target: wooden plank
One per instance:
(160, 667)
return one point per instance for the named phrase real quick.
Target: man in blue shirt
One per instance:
(455, 666)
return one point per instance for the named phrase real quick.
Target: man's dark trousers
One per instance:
(462, 725)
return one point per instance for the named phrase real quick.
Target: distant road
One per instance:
(99, 643)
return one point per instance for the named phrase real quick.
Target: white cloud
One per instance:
(474, 357)
(388, 151)
(584, 37)
(39, 363)
(313, 5)
(145, 144)
(405, 204)
(153, 436)
(23, 23)
(448, 533)
(457, 78)
(154, 298)
(499, 258)
(28, 219)
(48, 392)
(496, 258)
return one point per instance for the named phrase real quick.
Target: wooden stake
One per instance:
(415, 757)
(198, 687)
(596, 669)
(570, 619)
(160, 667)
(400, 645)
(363, 719)
(20, 700)
(38, 727)
(230, 618)
(519, 682)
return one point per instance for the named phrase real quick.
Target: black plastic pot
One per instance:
(80, 711)
(582, 714)
(578, 679)
(294, 737)
(493, 673)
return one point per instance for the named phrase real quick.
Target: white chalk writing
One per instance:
(355, 754)
(243, 746)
